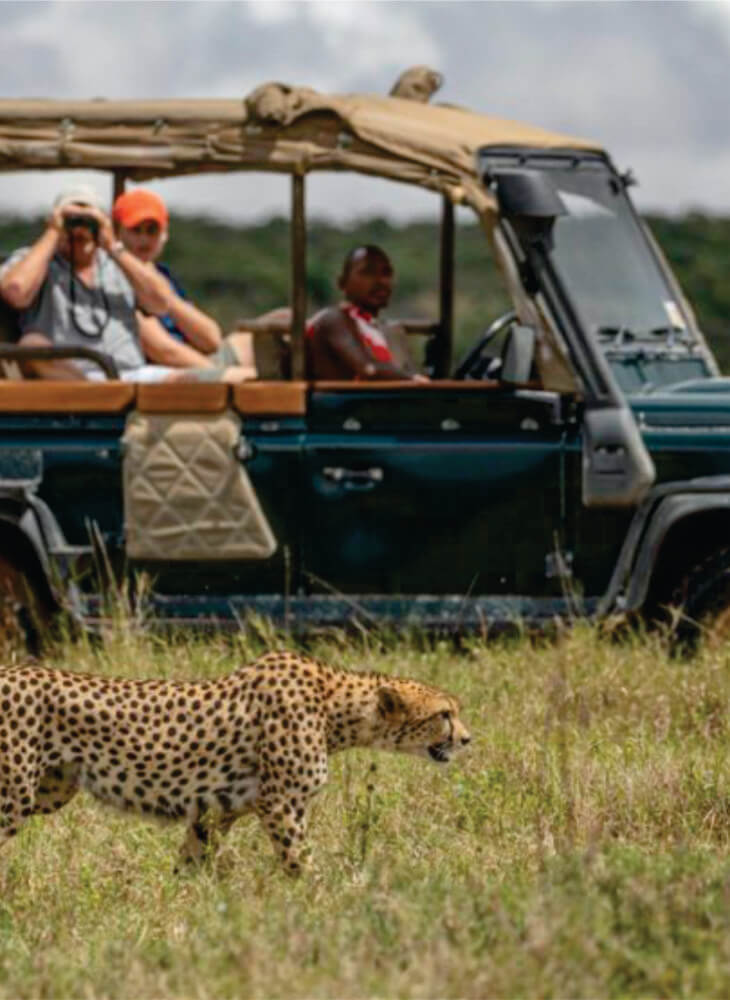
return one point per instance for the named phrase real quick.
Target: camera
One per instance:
(85, 221)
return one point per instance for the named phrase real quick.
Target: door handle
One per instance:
(354, 479)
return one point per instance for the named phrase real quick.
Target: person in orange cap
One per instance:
(185, 336)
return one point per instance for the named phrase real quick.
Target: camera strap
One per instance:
(100, 315)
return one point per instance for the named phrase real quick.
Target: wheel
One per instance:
(704, 599)
(23, 614)
(474, 365)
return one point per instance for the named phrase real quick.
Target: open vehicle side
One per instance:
(576, 460)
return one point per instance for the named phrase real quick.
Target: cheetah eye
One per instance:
(446, 716)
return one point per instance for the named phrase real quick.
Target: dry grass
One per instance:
(580, 849)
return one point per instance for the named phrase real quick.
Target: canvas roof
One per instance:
(277, 127)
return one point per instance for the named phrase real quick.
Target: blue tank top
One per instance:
(167, 321)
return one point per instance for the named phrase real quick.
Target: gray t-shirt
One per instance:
(70, 313)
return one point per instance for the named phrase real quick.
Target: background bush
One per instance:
(236, 271)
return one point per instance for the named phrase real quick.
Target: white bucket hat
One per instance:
(79, 194)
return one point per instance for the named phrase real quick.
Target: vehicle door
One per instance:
(441, 488)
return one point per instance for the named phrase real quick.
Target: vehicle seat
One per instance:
(399, 342)
(272, 356)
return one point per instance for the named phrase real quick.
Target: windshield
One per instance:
(609, 270)
(604, 259)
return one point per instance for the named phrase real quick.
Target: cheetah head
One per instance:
(420, 720)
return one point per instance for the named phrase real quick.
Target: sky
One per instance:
(649, 80)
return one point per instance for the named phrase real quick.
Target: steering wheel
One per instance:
(473, 365)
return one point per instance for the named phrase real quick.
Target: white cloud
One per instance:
(272, 11)
(649, 80)
(716, 13)
(368, 37)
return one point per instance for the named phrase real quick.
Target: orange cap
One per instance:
(137, 206)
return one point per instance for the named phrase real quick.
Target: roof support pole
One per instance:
(120, 180)
(446, 319)
(298, 276)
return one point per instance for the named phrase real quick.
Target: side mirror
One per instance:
(518, 355)
(527, 194)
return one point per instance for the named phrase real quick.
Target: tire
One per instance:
(24, 616)
(704, 599)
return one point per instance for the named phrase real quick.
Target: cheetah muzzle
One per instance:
(440, 752)
(207, 752)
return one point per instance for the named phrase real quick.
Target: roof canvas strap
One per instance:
(65, 134)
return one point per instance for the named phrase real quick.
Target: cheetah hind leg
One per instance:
(56, 787)
(49, 792)
(16, 796)
(10, 818)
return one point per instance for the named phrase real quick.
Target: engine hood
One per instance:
(699, 403)
(720, 385)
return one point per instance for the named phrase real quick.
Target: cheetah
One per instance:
(256, 740)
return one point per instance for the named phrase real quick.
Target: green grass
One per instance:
(581, 848)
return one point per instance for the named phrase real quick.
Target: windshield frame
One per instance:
(680, 339)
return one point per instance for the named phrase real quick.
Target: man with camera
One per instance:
(77, 285)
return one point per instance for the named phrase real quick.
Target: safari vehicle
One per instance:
(575, 461)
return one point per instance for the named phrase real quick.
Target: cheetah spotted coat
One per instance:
(206, 752)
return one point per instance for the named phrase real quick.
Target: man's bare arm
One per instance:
(342, 340)
(20, 284)
(161, 348)
(151, 289)
(199, 328)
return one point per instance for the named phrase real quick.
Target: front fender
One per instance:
(663, 508)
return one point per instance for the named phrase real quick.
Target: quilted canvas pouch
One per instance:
(186, 493)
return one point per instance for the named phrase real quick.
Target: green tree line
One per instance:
(236, 271)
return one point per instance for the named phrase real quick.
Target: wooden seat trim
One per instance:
(248, 398)
(255, 399)
(183, 397)
(65, 397)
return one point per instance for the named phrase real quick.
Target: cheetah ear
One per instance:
(390, 702)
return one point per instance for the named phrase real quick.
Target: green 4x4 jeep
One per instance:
(577, 460)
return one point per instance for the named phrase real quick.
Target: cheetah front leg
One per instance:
(283, 798)
(204, 835)
(284, 821)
